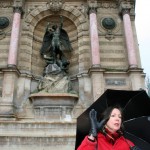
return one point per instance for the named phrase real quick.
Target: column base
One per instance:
(96, 66)
(11, 66)
(133, 66)
(6, 110)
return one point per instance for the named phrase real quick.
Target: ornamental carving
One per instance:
(19, 3)
(4, 22)
(108, 23)
(55, 5)
(83, 8)
(107, 5)
(6, 4)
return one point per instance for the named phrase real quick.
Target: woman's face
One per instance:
(114, 122)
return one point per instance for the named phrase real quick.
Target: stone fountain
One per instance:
(54, 97)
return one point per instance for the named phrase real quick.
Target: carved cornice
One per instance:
(107, 5)
(4, 4)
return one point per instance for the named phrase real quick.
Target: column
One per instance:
(11, 73)
(136, 75)
(95, 48)
(95, 71)
(129, 39)
(13, 49)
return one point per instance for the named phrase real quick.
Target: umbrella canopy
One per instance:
(138, 131)
(135, 104)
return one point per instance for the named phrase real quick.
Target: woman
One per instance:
(110, 132)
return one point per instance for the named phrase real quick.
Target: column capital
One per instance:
(125, 11)
(18, 10)
(92, 4)
(18, 6)
(125, 7)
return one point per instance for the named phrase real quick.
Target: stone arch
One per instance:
(80, 37)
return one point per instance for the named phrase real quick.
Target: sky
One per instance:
(142, 22)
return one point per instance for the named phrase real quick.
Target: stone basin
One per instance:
(53, 99)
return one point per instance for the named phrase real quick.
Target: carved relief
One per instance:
(109, 25)
(4, 26)
(107, 5)
(56, 5)
(4, 22)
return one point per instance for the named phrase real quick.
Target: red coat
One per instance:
(103, 144)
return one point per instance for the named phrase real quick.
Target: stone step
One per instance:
(20, 135)
(37, 126)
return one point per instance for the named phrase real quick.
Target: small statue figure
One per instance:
(55, 78)
(55, 41)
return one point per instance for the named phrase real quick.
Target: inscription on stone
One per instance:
(115, 82)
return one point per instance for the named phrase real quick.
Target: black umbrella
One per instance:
(134, 103)
(138, 131)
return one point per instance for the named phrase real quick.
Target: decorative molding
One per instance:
(4, 4)
(83, 8)
(109, 36)
(107, 5)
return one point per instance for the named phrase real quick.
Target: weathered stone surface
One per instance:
(49, 127)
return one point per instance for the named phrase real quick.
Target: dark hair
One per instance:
(106, 115)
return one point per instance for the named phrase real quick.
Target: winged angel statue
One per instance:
(55, 42)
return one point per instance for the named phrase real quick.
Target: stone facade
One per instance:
(105, 56)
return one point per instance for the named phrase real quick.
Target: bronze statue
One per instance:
(55, 41)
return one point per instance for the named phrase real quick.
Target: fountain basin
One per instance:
(53, 99)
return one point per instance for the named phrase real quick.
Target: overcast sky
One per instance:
(142, 21)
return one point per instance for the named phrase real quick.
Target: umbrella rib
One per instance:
(136, 137)
(133, 119)
(131, 99)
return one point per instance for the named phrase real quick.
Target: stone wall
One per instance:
(24, 126)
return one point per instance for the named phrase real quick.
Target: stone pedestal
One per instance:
(53, 106)
(8, 92)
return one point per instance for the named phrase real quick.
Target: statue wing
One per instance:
(46, 44)
(64, 39)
